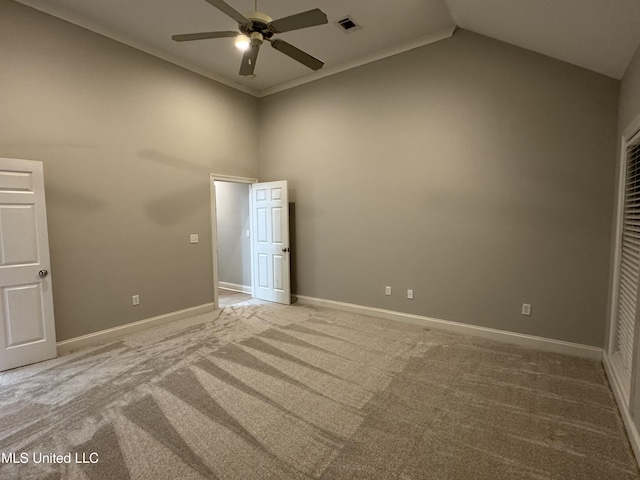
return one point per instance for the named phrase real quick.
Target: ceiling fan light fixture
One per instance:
(242, 42)
(257, 27)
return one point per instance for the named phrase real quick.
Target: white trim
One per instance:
(234, 287)
(232, 179)
(531, 341)
(116, 332)
(75, 19)
(617, 252)
(213, 215)
(632, 431)
(252, 232)
(372, 57)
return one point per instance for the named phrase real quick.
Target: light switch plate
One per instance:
(194, 238)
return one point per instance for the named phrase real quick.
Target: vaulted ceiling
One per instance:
(600, 35)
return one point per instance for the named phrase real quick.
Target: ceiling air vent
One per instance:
(348, 24)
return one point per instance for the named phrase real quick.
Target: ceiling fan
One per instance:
(256, 27)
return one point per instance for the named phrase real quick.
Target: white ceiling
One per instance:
(600, 35)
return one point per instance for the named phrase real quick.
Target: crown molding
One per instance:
(372, 57)
(74, 19)
(120, 37)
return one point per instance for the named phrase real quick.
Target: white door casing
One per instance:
(270, 239)
(27, 328)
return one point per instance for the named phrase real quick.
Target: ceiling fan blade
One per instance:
(187, 37)
(249, 60)
(297, 54)
(229, 11)
(310, 18)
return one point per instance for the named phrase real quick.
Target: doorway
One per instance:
(266, 227)
(231, 239)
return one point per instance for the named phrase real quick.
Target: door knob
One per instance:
(43, 273)
(286, 249)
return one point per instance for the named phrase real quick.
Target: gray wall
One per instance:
(234, 248)
(629, 107)
(474, 172)
(128, 142)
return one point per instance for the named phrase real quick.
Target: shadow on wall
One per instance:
(176, 206)
(58, 195)
(292, 244)
(171, 161)
(78, 201)
(47, 146)
(224, 164)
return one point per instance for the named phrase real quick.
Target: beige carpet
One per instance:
(226, 298)
(262, 391)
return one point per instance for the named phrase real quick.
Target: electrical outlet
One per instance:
(526, 309)
(136, 299)
(193, 238)
(410, 294)
(387, 290)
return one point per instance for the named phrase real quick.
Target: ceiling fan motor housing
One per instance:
(260, 23)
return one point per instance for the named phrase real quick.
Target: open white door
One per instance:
(271, 252)
(27, 329)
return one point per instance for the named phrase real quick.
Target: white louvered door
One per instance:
(628, 271)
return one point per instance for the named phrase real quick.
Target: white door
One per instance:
(271, 251)
(27, 330)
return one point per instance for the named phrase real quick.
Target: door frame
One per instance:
(626, 400)
(629, 135)
(214, 177)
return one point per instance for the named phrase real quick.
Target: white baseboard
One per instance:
(632, 431)
(235, 287)
(531, 341)
(115, 332)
